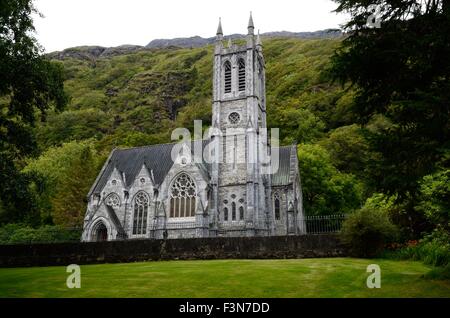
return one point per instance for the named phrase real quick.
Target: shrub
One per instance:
(367, 231)
(433, 249)
(7, 231)
(18, 234)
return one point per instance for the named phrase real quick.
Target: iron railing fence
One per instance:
(318, 224)
(312, 224)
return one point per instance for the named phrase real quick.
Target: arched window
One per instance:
(276, 203)
(182, 197)
(241, 213)
(225, 214)
(140, 213)
(227, 68)
(241, 85)
(112, 200)
(233, 211)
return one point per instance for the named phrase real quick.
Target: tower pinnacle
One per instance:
(251, 26)
(258, 40)
(219, 30)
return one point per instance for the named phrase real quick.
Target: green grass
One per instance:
(333, 277)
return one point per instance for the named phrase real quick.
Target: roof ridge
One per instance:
(154, 145)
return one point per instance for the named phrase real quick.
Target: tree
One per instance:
(69, 202)
(349, 150)
(435, 198)
(29, 86)
(68, 172)
(325, 189)
(299, 125)
(401, 71)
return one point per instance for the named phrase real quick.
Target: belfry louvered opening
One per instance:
(227, 77)
(241, 75)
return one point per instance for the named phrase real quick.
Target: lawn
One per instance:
(329, 277)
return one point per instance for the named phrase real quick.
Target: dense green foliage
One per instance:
(19, 233)
(433, 249)
(68, 171)
(320, 277)
(367, 231)
(434, 198)
(29, 85)
(325, 189)
(400, 72)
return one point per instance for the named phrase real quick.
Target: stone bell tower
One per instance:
(238, 118)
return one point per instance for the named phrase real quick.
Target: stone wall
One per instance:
(307, 246)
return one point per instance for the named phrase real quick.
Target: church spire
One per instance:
(251, 26)
(219, 30)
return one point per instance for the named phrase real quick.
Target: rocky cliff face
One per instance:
(94, 52)
(197, 41)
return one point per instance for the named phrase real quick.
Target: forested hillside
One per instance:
(136, 98)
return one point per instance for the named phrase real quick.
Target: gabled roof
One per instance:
(157, 158)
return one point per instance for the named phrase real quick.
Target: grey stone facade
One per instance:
(236, 189)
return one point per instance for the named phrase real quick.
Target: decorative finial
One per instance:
(258, 40)
(251, 26)
(230, 43)
(219, 28)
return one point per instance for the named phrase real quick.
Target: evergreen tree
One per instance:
(402, 72)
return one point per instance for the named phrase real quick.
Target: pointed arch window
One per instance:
(241, 213)
(227, 67)
(225, 214)
(241, 75)
(276, 203)
(141, 202)
(233, 211)
(182, 197)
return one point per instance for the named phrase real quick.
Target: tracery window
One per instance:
(227, 67)
(241, 76)
(141, 203)
(234, 118)
(182, 197)
(112, 200)
(276, 203)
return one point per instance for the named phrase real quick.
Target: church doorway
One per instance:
(100, 232)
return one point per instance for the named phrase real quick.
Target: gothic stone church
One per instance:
(148, 192)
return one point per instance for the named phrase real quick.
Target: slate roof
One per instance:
(281, 177)
(157, 158)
